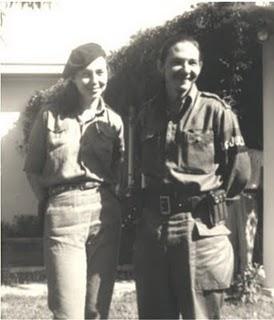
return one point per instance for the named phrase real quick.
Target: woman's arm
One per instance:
(37, 186)
(36, 155)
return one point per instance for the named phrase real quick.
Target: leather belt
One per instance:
(172, 203)
(54, 190)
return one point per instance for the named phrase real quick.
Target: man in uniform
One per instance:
(191, 156)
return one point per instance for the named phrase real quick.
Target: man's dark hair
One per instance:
(175, 39)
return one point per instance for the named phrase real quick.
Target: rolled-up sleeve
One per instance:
(36, 150)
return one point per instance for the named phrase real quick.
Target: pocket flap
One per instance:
(214, 263)
(198, 136)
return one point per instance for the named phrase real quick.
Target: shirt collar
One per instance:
(192, 94)
(90, 114)
(185, 103)
(100, 108)
(159, 102)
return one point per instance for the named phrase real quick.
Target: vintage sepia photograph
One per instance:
(137, 159)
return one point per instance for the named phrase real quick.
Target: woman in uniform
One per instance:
(75, 151)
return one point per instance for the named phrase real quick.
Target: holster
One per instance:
(217, 207)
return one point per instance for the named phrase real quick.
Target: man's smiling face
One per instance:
(181, 68)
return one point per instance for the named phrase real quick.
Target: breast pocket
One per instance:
(105, 138)
(197, 150)
(57, 135)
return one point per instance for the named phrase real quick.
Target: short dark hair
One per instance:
(181, 37)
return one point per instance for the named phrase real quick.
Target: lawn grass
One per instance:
(26, 307)
(263, 309)
(15, 306)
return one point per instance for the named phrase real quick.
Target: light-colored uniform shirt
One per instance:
(198, 150)
(68, 149)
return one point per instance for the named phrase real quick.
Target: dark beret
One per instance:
(81, 57)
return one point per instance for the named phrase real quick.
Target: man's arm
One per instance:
(235, 162)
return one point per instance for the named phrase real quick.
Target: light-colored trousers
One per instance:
(81, 243)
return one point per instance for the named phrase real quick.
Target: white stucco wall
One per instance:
(268, 118)
(16, 195)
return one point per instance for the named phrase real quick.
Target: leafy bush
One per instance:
(22, 226)
(34, 104)
(248, 285)
(232, 63)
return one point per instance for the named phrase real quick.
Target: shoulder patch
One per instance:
(215, 97)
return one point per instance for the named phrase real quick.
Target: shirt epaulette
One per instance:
(111, 110)
(114, 117)
(216, 97)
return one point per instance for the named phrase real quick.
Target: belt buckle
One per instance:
(165, 206)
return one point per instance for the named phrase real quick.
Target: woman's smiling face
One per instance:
(91, 82)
